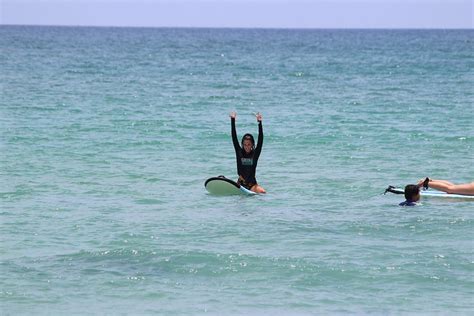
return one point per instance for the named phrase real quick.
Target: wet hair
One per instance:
(249, 137)
(411, 191)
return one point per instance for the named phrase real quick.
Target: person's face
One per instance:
(247, 145)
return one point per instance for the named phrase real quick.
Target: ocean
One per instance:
(108, 134)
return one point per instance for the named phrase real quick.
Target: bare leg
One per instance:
(422, 182)
(258, 189)
(443, 181)
(466, 188)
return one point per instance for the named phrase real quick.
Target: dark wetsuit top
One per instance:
(408, 203)
(247, 163)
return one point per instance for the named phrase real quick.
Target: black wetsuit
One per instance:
(247, 163)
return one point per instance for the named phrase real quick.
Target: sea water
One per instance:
(108, 134)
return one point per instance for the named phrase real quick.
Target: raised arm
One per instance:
(258, 149)
(235, 141)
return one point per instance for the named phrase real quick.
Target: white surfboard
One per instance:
(223, 186)
(432, 193)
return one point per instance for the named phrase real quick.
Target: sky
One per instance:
(444, 14)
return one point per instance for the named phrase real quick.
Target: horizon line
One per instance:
(245, 27)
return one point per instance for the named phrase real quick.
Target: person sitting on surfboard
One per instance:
(448, 187)
(247, 155)
(412, 195)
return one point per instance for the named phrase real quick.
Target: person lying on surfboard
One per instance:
(247, 155)
(448, 187)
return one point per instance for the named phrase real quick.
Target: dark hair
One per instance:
(411, 191)
(249, 137)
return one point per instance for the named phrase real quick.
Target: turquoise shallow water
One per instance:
(108, 134)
